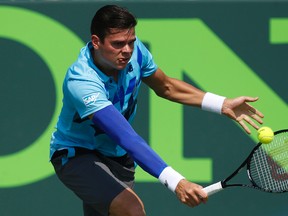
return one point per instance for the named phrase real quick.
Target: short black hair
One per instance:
(111, 16)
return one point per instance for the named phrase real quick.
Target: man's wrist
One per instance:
(212, 103)
(170, 178)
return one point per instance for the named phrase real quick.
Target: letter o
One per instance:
(58, 47)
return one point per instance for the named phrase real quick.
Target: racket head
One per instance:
(267, 166)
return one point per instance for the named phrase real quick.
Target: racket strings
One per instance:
(269, 165)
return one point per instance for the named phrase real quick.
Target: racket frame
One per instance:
(216, 187)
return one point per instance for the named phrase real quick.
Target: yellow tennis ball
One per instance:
(265, 135)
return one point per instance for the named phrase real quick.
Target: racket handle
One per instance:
(214, 188)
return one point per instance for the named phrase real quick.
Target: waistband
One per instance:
(76, 151)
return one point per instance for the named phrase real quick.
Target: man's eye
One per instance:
(118, 44)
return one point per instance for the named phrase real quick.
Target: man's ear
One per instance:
(95, 41)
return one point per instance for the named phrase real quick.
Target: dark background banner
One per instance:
(227, 47)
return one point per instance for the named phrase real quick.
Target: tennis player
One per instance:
(94, 148)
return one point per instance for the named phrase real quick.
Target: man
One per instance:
(94, 149)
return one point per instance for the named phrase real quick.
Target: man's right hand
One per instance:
(190, 193)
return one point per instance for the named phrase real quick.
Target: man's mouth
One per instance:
(124, 60)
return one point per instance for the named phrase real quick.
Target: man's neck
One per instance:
(111, 72)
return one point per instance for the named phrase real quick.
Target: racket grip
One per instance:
(214, 188)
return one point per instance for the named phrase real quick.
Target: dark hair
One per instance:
(111, 16)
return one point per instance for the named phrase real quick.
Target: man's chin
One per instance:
(121, 66)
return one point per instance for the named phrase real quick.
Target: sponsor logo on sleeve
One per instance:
(90, 99)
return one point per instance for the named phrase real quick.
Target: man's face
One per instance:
(116, 50)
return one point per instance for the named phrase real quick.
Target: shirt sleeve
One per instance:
(87, 96)
(148, 66)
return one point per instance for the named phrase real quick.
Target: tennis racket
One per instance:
(266, 165)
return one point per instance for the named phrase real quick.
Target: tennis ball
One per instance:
(265, 135)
